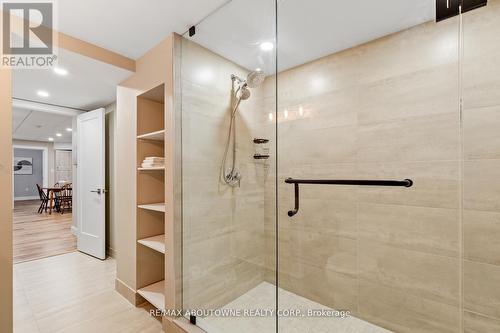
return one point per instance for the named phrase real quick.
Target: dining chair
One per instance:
(65, 198)
(44, 199)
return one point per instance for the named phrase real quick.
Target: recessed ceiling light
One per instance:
(266, 46)
(69, 129)
(258, 70)
(60, 71)
(42, 93)
(51, 139)
(58, 134)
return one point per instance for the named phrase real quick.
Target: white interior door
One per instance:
(91, 193)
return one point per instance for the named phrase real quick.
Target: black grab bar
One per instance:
(296, 182)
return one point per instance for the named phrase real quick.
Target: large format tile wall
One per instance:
(223, 227)
(387, 109)
(481, 125)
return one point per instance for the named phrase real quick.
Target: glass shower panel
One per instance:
(481, 142)
(368, 91)
(229, 168)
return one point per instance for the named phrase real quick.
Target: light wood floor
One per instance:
(38, 236)
(74, 293)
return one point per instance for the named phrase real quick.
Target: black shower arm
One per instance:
(296, 182)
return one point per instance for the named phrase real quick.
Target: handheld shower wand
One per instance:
(231, 176)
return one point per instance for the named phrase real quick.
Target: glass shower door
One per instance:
(368, 91)
(228, 163)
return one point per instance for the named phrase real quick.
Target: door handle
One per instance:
(98, 191)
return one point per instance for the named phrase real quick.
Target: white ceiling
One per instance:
(90, 84)
(39, 126)
(130, 27)
(307, 30)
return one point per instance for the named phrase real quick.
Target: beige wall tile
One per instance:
(482, 185)
(481, 52)
(481, 235)
(328, 145)
(481, 292)
(480, 133)
(481, 82)
(425, 275)
(425, 138)
(476, 323)
(333, 108)
(402, 312)
(430, 91)
(481, 28)
(402, 53)
(320, 76)
(320, 249)
(423, 229)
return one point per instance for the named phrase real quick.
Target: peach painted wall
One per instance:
(6, 315)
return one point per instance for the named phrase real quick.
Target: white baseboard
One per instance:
(74, 230)
(26, 198)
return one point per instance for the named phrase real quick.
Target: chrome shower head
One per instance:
(255, 79)
(244, 93)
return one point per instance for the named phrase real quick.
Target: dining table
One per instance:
(51, 191)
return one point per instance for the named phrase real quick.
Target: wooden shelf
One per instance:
(156, 243)
(153, 136)
(154, 294)
(151, 169)
(157, 207)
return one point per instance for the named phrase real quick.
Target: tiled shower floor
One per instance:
(262, 297)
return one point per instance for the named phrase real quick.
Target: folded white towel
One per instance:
(152, 158)
(147, 165)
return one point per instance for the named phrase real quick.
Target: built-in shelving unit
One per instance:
(150, 98)
(154, 294)
(153, 136)
(150, 213)
(156, 243)
(157, 207)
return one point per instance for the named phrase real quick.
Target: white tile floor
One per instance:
(263, 297)
(74, 293)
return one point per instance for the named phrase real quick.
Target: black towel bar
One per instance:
(296, 182)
